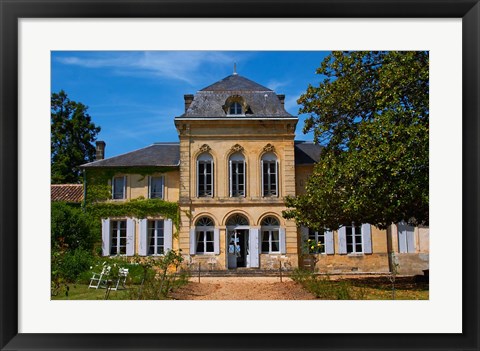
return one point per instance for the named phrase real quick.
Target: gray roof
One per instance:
(307, 153)
(168, 155)
(261, 102)
(158, 154)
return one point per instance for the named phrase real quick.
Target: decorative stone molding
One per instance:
(269, 148)
(205, 148)
(237, 148)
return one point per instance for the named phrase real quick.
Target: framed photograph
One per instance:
(36, 32)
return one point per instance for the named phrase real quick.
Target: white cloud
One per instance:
(178, 65)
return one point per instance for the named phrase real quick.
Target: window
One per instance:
(156, 187)
(118, 191)
(205, 175)
(118, 237)
(317, 237)
(156, 237)
(270, 235)
(204, 231)
(354, 239)
(235, 109)
(406, 238)
(237, 175)
(270, 174)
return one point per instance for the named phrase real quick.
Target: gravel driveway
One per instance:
(242, 288)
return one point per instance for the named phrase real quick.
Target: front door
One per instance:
(237, 248)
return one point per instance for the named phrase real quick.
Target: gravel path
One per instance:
(242, 288)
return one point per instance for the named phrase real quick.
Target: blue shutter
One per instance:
(230, 177)
(254, 248)
(402, 237)
(367, 238)
(213, 179)
(342, 240)
(106, 242)
(168, 234)
(410, 233)
(329, 245)
(216, 241)
(130, 237)
(193, 241)
(142, 250)
(283, 241)
(277, 178)
(263, 180)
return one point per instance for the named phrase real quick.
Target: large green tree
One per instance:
(72, 135)
(371, 114)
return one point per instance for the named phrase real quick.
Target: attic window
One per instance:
(235, 109)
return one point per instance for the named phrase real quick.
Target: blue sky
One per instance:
(135, 95)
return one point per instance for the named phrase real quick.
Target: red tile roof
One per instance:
(66, 192)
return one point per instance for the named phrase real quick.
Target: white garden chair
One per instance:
(122, 278)
(99, 278)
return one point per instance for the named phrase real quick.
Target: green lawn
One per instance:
(82, 292)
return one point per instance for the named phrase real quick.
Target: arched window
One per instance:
(205, 175)
(204, 232)
(269, 174)
(237, 175)
(270, 235)
(237, 220)
(235, 109)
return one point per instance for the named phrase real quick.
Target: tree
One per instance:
(72, 134)
(371, 115)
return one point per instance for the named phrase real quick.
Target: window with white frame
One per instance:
(237, 175)
(316, 237)
(354, 238)
(235, 109)
(118, 237)
(204, 231)
(156, 185)
(270, 235)
(118, 187)
(205, 175)
(269, 174)
(156, 237)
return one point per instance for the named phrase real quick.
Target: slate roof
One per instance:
(168, 155)
(158, 154)
(66, 192)
(210, 101)
(307, 153)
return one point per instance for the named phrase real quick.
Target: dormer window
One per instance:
(235, 109)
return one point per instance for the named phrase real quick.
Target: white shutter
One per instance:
(124, 187)
(254, 248)
(342, 240)
(277, 178)
(410, 233)
(130, 237)
(283, 242)
(213, 179)
(329, 245)
(216, 241)
(193, 241)
(198, 179)
(263, 180)
(106, 242)
(168, 234)
(402, 239)
(149, 195)
(303, 239)
(230, 176)
(367, 238)
(244, 179)
(142, 250)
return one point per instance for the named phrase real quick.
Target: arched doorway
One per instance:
(237, 241)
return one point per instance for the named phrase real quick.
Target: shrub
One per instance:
(72, 263)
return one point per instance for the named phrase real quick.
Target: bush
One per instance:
(71, 228)
(71, 264)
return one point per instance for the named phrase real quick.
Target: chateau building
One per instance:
(235, 162)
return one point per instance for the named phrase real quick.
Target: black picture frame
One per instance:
(12, 11)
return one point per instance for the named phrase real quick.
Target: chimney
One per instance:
(100, 148)
(281, 97)
(188, 100)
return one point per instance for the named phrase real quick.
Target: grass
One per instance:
(82, 292)
(371, 288)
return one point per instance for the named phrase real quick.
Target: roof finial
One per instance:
(235, 69)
